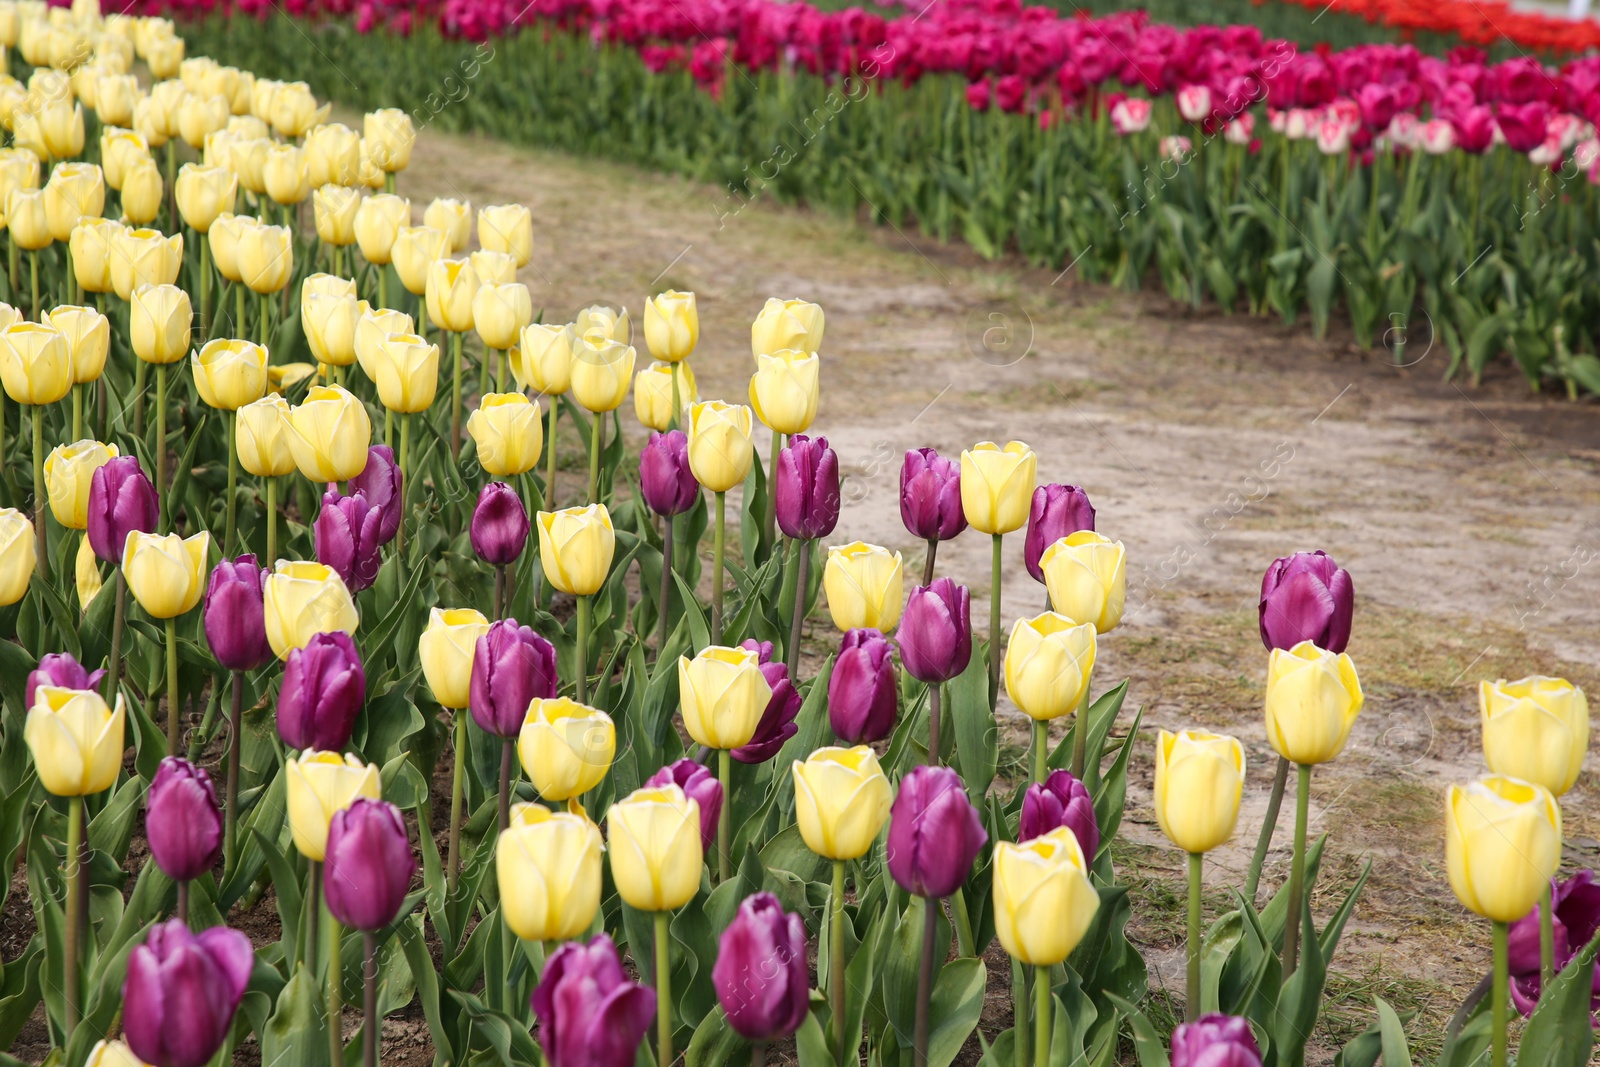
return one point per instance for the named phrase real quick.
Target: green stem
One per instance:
(77, 412)
(958, 908)
(422, 315)
(312, 906)
(836, 962)
(370, 1036)
(40, 498)
(582, 680)
(597, 434)
(231, 821)
(263, 306)
(141, 372)
(724, 823)
(1297, 871)
(770, 517)
(1191, 1004)
(1499, 993)
(457, 783)
(233, 482)
(666, 587)
(205, 286)
(239, 326)
(1080, 740)
(1041, 750)
(173, 718)
(1041, 1016)
(405, 480)
(672, 419)
(455, 397)
(75, 888)
(1019, 1012)
(663, 990)
(502, 361)
(919, 1033)
(550, 456)
(161, 447)
(927, 561)
(33, 263)
(718, 547)
(1280, 778)
(388, 427)
(118, 621)
(994, 624)
(183, 902)
(1547, 941)
(272, 521)
(802, 563)
(383, 285)
(335, 994)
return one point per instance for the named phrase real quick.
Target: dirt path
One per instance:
(1469, 519)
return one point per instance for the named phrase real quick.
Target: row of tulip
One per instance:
(1477, 23)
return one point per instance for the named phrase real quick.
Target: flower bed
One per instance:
(1474, 22)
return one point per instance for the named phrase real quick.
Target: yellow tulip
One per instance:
(150, 121)
(1087, 577)
(865, 586)
(602, 371)
(17, 558)
(264, 437)
(785, 389)
(500, 311)
(166, 575)
(295, 110)
(164, 56)
(1536, 729)
(248, 159)
(841, 801)
(218, 151)
(266, 257)
(509, 433)
(671, 325)
(1502, 845)
(68, 471)
(19, 169)
(204, 193)
(407, 372)
(329, 321)
(722, 695)
(786, 324)
(507, 228)
(159, 323)
(88, 335)
(303, 599)
(119, 150)
(35, 363)
(378, 220)
(450, 288)
(544, 358)
(113, 1054)
(321, 284)
(200, 116)
(53, 128)
(329, 434)
(415, 250)
(496, 267)
(145, 257)
(372, 175)
(997, 486)
(142, 192)
(261, 95)
(1313, 698)
(281, 377)
(451, 217)
(114, 97)
(720, 450)
(372, 327)
(334, 209)
(656, 857)
(1043, 899)
(565, 747)
(73, 191)
(333, 155)
(224, 238)
(26, 219)
(548, 866)
(575, 548)
(1049, 662)
(91, 253)
(446, 649)
(652, 394)
(612, 323)
(319, 785)
(389, 136)
(87, 572)
(1199, 780)
(230, 374)
(75, 739)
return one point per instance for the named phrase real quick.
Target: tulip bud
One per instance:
(722, 695)
(295, 110)
(862, 699)
(1060, 800)
(73, 191)
(68, 476)
(785, 389)
(329, 434)
(934, 833)
(182, 991)
(199, 116)
(35, 363)
(121, 500)
(1313, 698)
(319, 786)
(565, 747)
(265, 256)
(380, 483)
(543, 361)
(75, 739)
(88, 336)
(786, 324)
(333, 155)
(119, 150)
(451, 285)
(1536, 729)
(511, 667)
(1087, 577)
(234, 615)
(1215, 1040)
(1575, 904)
(930, 496)
(230, 374)
(1502, 845)
(1057, 511)
(91, 245)
(656, 855)
(406, 372)
(26, 219)
(346, 535)
(777, 723)
(507, 228)
(1199, 780)
(495, 268)
(224, 237)
(329, 321)
(264, 437)
(415, 250)
(575, 548)
(602, 370)
(17, 555)
(720, 450)
(204, 193)
(936, 631)
(841, 801)
(700, 786)
(451, 217)
(997, 485)
(166, 575)
(182, 822)
(1049, 662)
(671, 325)
(590, 1014)
(1043, 899)
(390, 135)
(499, 527)
(665, 480)
(761, 976)
(653, 392)
(59, 669)
(369, 865)
(114, 98)
(548, 866)
(806, 488)
(612, 324)
(1306, 597)
(159, 323)
(146, 258)
(378, 220)
(500, 311)
(864, 586)
(508, 432)
(301, 600)
(446, 649)
(334, 210)
(372, 328)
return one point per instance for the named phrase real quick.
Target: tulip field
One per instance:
(375, 642)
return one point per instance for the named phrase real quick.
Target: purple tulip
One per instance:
(121, 499)
(777, 723)
(348, 536)
(1057, 510)
(59, 669)
(1306, 597)
(369, 864)
(665, 481)
(935, 633)
(235, 619)
(1576, 907)
(1215, 1040)
(324, 687)
(700, 786)
(511, 667)
(806, 488)
(1060, 800)
(182, 820)
(862, 700)
(760, 974)
(930, 496)
(380, 482)
(590, 1014)
(181, 992)
(499, 524)
(934, 833)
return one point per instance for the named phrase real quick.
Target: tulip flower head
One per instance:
(777, 721)
(720, 449)
(373, 327)
(329, 320)
(508, 430)
(511, 667)
(166, 575)
(451, 285)
(1048, 665)
(602, 371)
(230, 374)
(369, 864)
(1199, 781)
(760, 976)
(653, 394)
(1536, 729)
(390, 135)
(671, 325)
(665, 480)
(1087, 578)
(862, 698)
(319, 786)
(934, 833)
(181, 992)
(328, 434)
(88, 335)
(1056, 512)
(935, 634)
(69, 477)
(1306, 597)
(785, 390)
(415, 249)
(590, 1014)
(499, 527)
(324, 688)
(792, 325)
(1502, 845)
(575, 548)
(654, 844)
(301, 600)
(334, 210)
(235, 615)
(548, 866)
(864, 586)
(1043, 899)
(699, 785)
(1313, 698)
(805, 488)
(35, 363)
(1215, 1040)
(500, 310)
(1060, 800)
(508, 229)
(183, 822)
(722, 694)
(543, 359)
(1576, 918)
(121, 500)
(565, 747)
(446, 648)
(75, 739)
(842, 800)
(380, 483)
(997, 486)
(930, 496)
(62, 670)
(378, 221)
(347, 538)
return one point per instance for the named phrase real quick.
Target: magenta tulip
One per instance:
(1056, 511)
(369, 864)
(665, 481)
(499, 527)
(121, 500)
(862, 699)
(590, 1014)
(182, 823)
(1215, 1041)
(62, 670)
(511, 667)
(777, 723)
(806, 488)
(935, 633)
(382, 484)
(235, 619)
(1306, 597)
(700, 786)
(324, 687)
(760, 975)
(930, 496)
(934, 833)
(348, 534)
(1060, 800)
(181, 992)
(1576, 918)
